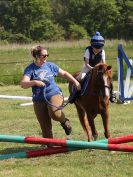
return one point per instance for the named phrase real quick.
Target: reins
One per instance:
(58, 107)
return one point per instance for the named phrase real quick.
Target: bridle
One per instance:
(101, 72)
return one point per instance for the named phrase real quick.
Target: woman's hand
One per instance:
(39, 83)
(70, 78)
(27, 83)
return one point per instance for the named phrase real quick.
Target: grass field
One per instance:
(17, 120)
(67, 55)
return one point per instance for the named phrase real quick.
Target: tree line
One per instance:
(24, 21)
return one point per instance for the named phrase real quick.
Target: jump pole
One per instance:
(40, 140)
(38, 153)
(105, 144)
(54, 150)
(34, 153)
(76, 145)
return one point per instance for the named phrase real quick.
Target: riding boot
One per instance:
(73, 96)
(66, 126)
(112, 94)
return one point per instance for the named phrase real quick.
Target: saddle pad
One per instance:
(84, 83)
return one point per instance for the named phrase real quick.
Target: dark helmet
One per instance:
(97, 40)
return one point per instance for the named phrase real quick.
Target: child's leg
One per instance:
(82, 73)
(80, 77)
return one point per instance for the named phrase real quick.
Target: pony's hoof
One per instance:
(107, 135)
(95, 137)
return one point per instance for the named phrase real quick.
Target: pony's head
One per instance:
(101, 76)
(103, 70)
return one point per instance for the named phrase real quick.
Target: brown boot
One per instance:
(67, 127)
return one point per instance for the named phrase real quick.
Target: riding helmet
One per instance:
(97, 40)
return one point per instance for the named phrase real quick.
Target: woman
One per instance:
(40, 76)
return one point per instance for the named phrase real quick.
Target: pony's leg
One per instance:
(84, 121)
(105, 117)
(93, 128)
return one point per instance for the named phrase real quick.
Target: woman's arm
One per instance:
(70, 78)
(27, 83)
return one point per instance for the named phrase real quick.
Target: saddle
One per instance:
(74, 93)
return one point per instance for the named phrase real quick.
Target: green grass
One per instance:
(66, 54)
(17, 120)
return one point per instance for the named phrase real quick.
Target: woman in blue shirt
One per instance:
(40, 76)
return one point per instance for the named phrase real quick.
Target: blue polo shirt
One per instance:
(45, 73)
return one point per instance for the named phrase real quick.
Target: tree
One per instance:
(57, 19)
(94, 15)
(31, 18)
(46, 30)
(125, 25)
(20, 15)
(76, 32)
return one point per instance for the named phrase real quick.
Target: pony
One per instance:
(95, 100)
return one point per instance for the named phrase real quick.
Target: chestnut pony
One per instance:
(95, 100)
